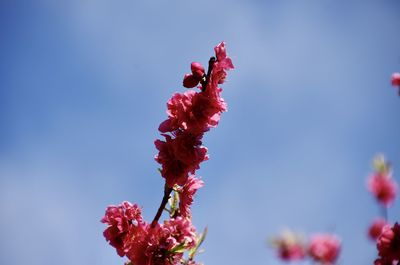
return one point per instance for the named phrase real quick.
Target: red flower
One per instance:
(324, 248)
(383, 187)
(396, 79)
(389, 242)
(187, 193)
(375, 229)
(119, 219)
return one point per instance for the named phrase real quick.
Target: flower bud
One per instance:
(197, 70)
(396, 79)
(190, 81)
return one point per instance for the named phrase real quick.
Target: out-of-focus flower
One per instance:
(388, 243)
(289, 246)
(324, 248)
(383, 187)
(380, 183)
(396, 79)
(375, 229)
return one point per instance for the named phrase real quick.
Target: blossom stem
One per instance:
(385, 212)
(210, 67)
(167, 192)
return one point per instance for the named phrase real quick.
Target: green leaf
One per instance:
(173, 202)
(200, 240)
(178, 248)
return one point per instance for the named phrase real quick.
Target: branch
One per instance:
(164, 201)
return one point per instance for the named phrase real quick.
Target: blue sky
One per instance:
(83, 88)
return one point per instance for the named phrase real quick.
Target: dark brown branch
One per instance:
(211, 62)
(167, 192)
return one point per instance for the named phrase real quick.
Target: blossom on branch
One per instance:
(187, 193)
(119, 219)
(388, 243)
(190, 115)
(180, 153)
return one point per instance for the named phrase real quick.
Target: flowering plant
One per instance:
(325, 248)
(180, 153)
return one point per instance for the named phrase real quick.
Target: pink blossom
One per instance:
(194, 112)
(375, 229)
(324, 248)
(181, 231)
(155, 245)
(389, 242)
(179, 112)
(291, 252)
(179, 157)
(149, 246)
(222, 59)
(222, 64)
(396, 79)
(190, 115)
(383, 187)
(289, 246)
(187, 193)
(119, 219)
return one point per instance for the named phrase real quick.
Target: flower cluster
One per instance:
(388, 245)
(321, 248)
(190, 115)
(143, 244)
(387, 237)
(180, 153)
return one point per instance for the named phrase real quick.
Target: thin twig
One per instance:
(164, 201)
